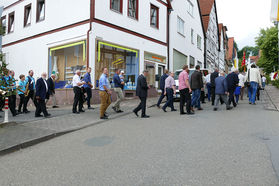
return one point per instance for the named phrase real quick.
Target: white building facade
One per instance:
(186, 35)
(210, 20)
(61, 37)
(222, 51)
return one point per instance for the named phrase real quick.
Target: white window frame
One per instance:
(192, 36)
(190, 8)
(180, 26)
(199, 40)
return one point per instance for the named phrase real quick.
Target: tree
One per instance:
(4, 85)
(267, 42)
(254, 51)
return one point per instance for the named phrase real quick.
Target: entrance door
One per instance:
(160, 73)
(151, 75)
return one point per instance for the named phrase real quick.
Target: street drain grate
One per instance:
(99, 141)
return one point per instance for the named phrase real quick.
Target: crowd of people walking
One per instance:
(221, 88)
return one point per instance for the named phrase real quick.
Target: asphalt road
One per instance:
(209, 148)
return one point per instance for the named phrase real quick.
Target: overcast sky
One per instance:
(244, 18)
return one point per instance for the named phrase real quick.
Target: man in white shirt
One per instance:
(77, 84)
(254, 77)
(241, 77)
(263, 81)
(208, 85)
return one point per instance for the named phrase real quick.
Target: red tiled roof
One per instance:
(231, 46)
(205, 20)
(206, 7)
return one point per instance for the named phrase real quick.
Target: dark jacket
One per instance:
(232, 80)
(162, 81)
(213, 76)
(41, 90)
(141, 90)
(51, 86)
(196, 80)
(221, 85)
(117, 81)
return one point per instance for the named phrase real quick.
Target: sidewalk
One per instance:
(28, 130)
(271, 98)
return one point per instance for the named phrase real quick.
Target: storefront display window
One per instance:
(65, 60)
(117, 57)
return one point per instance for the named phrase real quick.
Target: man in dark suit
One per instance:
(42, 92)
(141, 92)
(162, 87)
(51, 86)
(196, 84)
(232, 80)
(213, 76)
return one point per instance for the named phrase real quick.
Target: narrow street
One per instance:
(235, 147)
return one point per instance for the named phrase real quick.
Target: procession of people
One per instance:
(221, 87)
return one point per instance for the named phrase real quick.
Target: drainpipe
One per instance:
(205, 39)
(168, 36)
(88, 32)
(169, 10)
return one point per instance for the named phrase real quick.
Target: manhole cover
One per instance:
(99, 141)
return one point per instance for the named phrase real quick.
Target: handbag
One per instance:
(247, 83)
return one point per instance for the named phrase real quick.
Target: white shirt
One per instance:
(254, 75)
(241, 78)
(207, 78)
(76, 80)
(264, 79)
(46, 85)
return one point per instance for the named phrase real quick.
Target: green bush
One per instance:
(268, 79)
(276, 83)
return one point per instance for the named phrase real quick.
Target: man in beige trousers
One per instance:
(118, 85)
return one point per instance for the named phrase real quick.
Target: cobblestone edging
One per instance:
(271, 98)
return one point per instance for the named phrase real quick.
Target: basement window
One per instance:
(40, 10)
(11, 24)
(27, 15)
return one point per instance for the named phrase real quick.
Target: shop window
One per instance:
(65, 60)
(179, 60)
(133, 8)
(154, 16)
(11, 23)
(3, 23)
(27, 15)
(40, 10)
(117, 57)
(192, 62)
(180, 26)
(116, 5)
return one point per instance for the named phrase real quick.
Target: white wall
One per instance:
(222, 52)
(182, 43)
(142, 25)
(33, 54)
(58, 13)
(212, 41)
